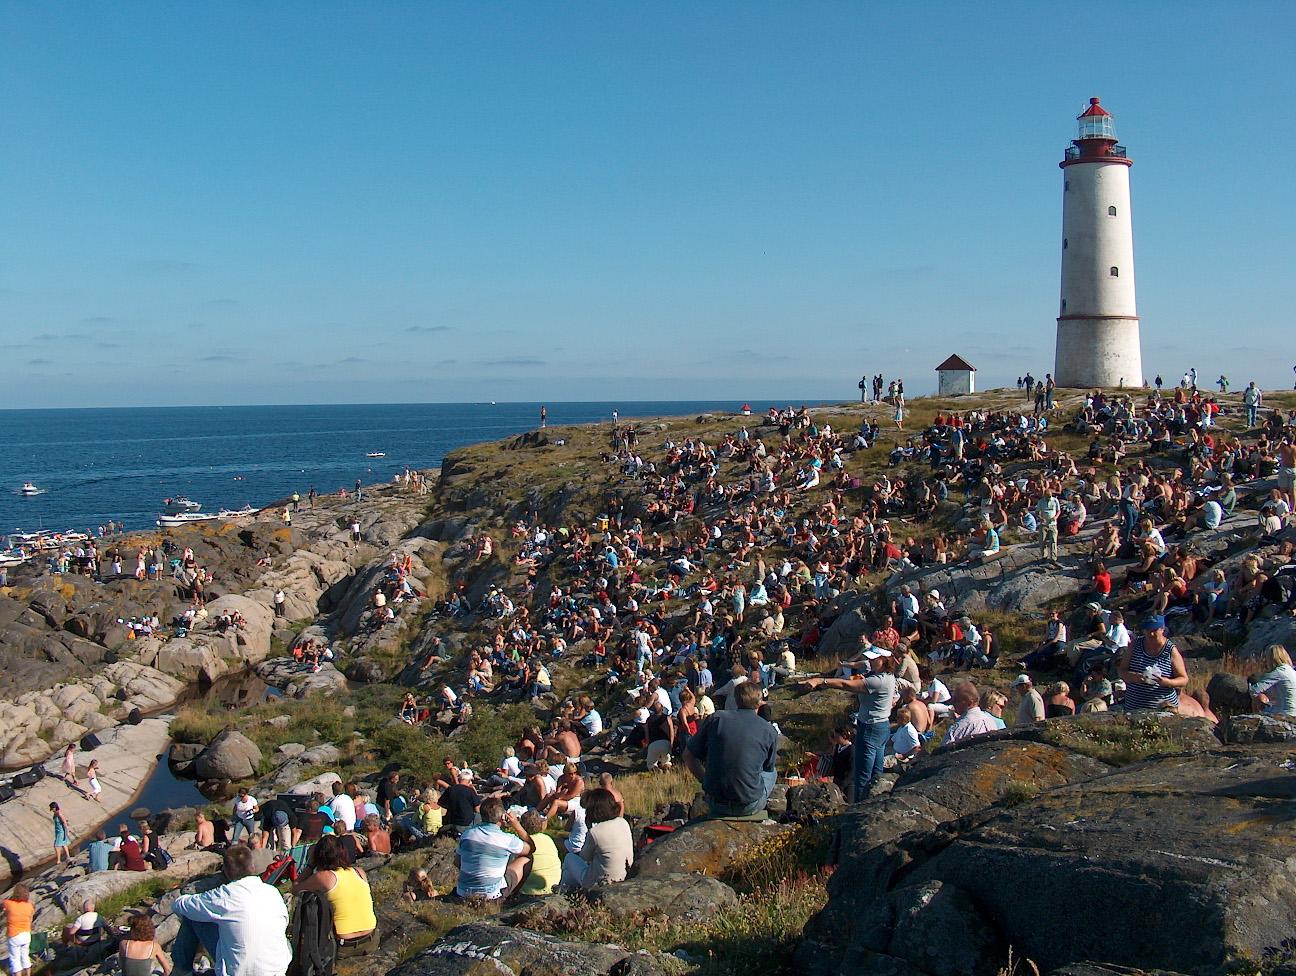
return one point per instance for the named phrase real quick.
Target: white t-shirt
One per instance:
(904, 739)
(344, 810)
(576, 839)
(243, 807)
(511, 766)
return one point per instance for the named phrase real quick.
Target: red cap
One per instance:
(1094, 109)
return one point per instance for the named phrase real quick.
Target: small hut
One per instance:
(955, 377)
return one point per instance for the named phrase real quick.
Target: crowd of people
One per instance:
(713, 576)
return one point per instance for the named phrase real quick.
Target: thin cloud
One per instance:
(223, 303)
(445, 362)
(61, 337)
(98, 320)
(351, 361)
(40, 362)
(220, 357)
(511, 361)
(429, 329)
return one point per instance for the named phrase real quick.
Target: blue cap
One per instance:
(1153, 622)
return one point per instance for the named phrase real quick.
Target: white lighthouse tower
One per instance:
(1098, 323)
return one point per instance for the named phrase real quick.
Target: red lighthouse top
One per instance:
(1096, 139)
(1095, 108)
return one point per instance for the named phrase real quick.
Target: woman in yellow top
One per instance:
(347, 890)
(431, 815)
(18, 922)
(546, 865)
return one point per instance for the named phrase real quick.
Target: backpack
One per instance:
(311, 934)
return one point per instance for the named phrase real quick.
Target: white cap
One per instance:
(1022, 679)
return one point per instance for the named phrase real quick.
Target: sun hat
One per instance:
(1153, 622)
(1021, 679)
(876, 652)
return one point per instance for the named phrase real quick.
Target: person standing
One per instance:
(245, 811)
(280, 599)
(544, 417)
(877, 692)
(1251, 399)
(70, 767)
(62, 836)
(1047, 510)
(1153, 669)
(92, 777)
(18, 927)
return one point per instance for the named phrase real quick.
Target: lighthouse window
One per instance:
(1115, 272)
(1111, 211)
(1066, 185)
(1064, 243)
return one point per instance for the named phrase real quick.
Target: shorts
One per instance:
(1287, 479)
(19, 952)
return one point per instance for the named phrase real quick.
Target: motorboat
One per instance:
(12, 557)
(376, 454)
(181, 519)
(174, 506)
(233, 513)
(30, 489)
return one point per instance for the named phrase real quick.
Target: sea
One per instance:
(94, 465)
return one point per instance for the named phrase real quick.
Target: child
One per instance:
(418, 886)
(92, 774)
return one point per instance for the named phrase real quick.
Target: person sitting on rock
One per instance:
(347, 888)
(493, 863)
(86, 929)
(607, 853)
(972, 720)
(241, 923)
(734, 754)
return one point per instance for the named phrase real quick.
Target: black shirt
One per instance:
(461, 804)
(387, 791)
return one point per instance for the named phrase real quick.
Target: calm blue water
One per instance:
(100, 464)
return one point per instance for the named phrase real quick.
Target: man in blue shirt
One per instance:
(98, 850)
(492, 863)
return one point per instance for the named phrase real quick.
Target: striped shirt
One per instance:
(1140, 695)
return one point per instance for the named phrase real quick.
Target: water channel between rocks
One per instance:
(164, 790)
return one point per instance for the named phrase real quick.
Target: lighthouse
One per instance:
(1098, 323)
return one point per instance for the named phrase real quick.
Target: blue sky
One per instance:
(317, 202)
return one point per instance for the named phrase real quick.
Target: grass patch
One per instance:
(755, 937)
(1018, 791)
(647, 792)
(146, 890)
(1116, 739)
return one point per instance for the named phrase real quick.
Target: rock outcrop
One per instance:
(939, 887)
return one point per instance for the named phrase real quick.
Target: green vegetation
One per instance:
(148, 889)
(781, 884)
(1116, 739)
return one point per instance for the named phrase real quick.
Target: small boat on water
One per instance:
(12, 557)
(233, 513)
(30, 489)
(174, 506)
(45, 539)
(376, 454)
(181, 519)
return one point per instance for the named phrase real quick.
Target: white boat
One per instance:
(184, 518)
(233, 513)
(174, 506)
(29, 489)
(376, 454)
(11, 558)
